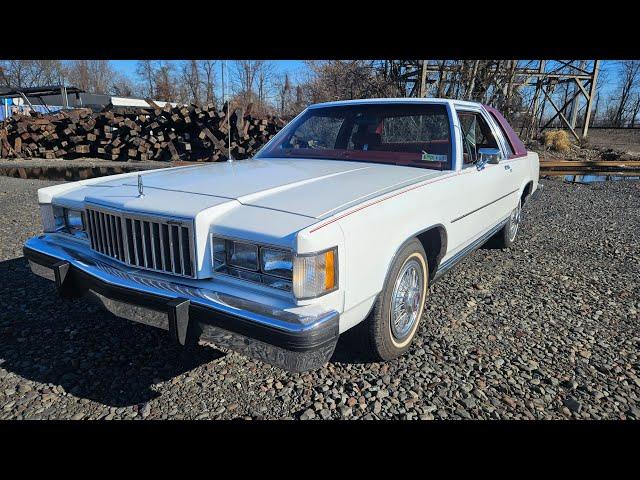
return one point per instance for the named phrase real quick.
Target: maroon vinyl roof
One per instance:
(517, 146)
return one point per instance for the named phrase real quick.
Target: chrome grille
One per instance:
(163, 245)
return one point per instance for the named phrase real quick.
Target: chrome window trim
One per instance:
(453, 145)
(487, 118)
(293, 123)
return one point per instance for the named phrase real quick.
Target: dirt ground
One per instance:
(601, 144)
(546, 329)
(622, 139)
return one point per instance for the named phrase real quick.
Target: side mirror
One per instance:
(488, 155)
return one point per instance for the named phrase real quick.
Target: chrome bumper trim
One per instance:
(128, 278)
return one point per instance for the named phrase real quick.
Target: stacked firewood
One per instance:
(180, 133)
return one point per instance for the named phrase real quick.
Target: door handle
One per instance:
(508, 167)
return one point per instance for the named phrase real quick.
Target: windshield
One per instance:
(400, 134)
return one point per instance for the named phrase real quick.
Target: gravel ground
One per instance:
(546, 329)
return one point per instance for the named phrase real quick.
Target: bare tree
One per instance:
(16, 73)
(146, 70)
(283, 87)
(165, 87)
(628, 85)
(251, 80)
(31, 73)
(244, 79)
(190, 81)
(122, 86)
(634, 109)
(441, 78)
(265, 75)
(48, 72)
(94, 76)
(299, 102)
(207, 68)
(347, 79)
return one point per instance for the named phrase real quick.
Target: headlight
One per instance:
(316, 274)
(52, 217)
(74, 220)
(306, 275)
(242, 255)
(243, 260)
(219, 252)
(276, 262)
(59, 219)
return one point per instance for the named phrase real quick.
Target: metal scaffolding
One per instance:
(541, 76)
(39, 93)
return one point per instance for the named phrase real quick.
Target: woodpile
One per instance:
(181, 133)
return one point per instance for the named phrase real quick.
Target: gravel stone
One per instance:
(547, 329)
(572, 404)
(468, 402)
(308, 414)
(346, 411)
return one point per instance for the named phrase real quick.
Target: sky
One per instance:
(128, 67)
(296, 67)
(293, 67)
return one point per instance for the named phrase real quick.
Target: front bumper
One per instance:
(289, 340)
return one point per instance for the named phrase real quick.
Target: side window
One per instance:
(416, 128)
(507, 141)
(426, 135)
(476, 134)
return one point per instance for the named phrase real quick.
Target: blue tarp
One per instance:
(9, 106)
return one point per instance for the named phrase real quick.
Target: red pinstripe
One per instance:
(375, 202)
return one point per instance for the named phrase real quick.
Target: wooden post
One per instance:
(559, 113)
(592, 91)
(576, 100)
(422, 92)
(472, 80)
(536, 100)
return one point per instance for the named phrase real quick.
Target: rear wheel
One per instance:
(507, 235)
(396, 315)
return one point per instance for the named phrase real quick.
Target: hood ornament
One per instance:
(140, 187)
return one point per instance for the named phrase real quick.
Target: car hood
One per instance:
(308, 187)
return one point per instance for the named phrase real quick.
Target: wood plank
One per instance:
(580, 163)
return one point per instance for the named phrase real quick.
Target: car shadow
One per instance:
(90, 352)
(351, 347)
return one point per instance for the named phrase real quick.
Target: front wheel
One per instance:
(396, 314)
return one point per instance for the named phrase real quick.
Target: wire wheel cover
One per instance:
(406, 299)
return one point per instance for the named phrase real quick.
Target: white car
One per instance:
(346, 216)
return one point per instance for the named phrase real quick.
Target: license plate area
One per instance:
(174, 318)
(134, 313)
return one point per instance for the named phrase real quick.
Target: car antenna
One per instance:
(230, 157)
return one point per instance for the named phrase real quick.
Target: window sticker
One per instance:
(433, 157)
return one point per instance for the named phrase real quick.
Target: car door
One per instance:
(482, 192)
(515, 164)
